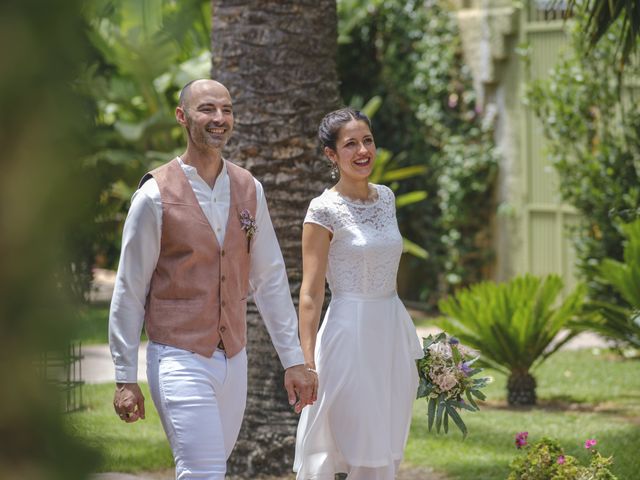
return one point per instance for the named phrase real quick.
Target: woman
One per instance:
(365, 352)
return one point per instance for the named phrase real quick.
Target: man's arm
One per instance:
(268, 280)
(139, 255)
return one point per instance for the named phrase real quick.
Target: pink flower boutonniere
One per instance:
(248, 224)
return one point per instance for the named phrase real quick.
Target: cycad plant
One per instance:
(514, 325)
(620, 322)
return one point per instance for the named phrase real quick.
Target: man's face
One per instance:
(208, 114)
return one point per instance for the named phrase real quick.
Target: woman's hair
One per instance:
(332, 123)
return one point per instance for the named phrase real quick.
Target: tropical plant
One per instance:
(386, 171)
(143, 51)
(514, 325)
(602, 15)
(409, 53)
(593, 142)
(620, 322)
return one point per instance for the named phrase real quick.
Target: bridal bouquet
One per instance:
(446, 373)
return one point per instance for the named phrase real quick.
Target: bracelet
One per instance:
(309, 369)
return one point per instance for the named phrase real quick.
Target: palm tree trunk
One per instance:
(278, 59)
(521, 388)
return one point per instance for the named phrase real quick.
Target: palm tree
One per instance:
(602, 14)
(514, 325)
(278, 59)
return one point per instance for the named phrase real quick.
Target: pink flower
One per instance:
(591, 442)
(521, 439)
(560, 459)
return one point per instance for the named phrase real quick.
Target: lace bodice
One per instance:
(366, 246)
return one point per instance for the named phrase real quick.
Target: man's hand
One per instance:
(301, 384)
(128, 402)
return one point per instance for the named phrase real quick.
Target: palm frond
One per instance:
(602, 14)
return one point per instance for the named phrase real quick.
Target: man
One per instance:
(197, 238)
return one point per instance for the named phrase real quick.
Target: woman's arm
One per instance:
(315, 252)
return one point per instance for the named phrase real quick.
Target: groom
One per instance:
(196, 240)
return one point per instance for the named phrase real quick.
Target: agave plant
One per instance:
(514, 325)
(620, 322)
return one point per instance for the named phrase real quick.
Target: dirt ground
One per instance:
(406, 473)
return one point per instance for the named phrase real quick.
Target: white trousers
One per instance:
(201, 403)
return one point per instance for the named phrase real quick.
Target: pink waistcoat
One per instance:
(198, 292)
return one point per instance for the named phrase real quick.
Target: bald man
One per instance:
(196, 242)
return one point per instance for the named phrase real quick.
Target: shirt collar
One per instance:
(192, 172)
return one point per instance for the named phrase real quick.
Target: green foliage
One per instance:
(602, 16)
(512, 324)
(409, 54)
(143, 53)
(43, 198)
(593, 141)
(546, 460)
(620, 322)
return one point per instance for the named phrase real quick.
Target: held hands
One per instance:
(128, 402)
(301, 384)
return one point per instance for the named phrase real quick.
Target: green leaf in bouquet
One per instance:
(439, 412)
(471, 400)
(462, 404)
(457, 420)
(478, 394)
(431, 411)
(427, 342)
(423, 389)
(445, 421)
(456, 355)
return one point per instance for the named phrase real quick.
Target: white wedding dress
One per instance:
(366, 348)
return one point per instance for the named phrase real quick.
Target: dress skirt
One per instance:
(365, 358)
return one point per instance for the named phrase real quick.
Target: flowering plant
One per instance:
(446, 374)
(546, 459)
(248, 225)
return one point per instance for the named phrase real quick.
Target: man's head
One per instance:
(206, 111)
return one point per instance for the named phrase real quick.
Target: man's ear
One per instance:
(181, 116)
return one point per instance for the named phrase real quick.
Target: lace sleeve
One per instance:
(319, 214)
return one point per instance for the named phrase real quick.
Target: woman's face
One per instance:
(355, 151)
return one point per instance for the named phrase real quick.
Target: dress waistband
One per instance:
(363, 296)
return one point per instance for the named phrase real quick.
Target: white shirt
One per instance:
(140, 252)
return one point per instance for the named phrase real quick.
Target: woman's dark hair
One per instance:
(332, 123)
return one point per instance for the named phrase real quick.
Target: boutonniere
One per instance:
(248, 225)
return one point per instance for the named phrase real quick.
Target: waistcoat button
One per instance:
(222, 329)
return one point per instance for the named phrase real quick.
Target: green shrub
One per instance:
(513, 325)
(546, 460)
(591, 121)
(408, 52)
(620, 322)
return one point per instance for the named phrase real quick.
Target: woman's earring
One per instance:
(334, 171)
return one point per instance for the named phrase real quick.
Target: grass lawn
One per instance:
(92, 324)
(581, 395)
(135, 447)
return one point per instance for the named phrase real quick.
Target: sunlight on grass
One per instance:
(140, 446)
(581, 395)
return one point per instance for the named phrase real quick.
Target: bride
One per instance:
(365, 351)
